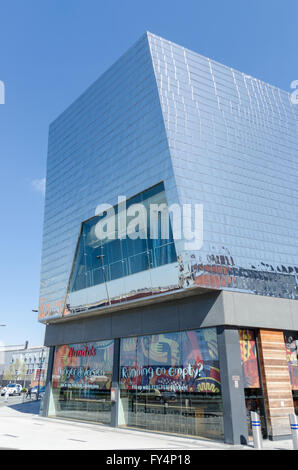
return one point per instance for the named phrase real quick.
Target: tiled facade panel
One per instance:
(234, 145)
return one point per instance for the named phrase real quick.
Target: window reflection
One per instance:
(81, 381)
(98, 261)
(171, 382)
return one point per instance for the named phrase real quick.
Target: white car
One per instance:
(13, 389)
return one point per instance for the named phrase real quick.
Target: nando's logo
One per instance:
(81, 352)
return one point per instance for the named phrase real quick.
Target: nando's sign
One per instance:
(86, 352)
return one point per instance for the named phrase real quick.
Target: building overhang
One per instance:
(132, 304)
(183, 310)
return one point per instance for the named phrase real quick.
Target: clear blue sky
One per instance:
(52, 50)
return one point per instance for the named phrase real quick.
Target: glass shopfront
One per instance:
(170, 383)
(254, 399)
(81, 381)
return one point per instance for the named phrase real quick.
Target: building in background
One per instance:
(162, 333)
(23, 364)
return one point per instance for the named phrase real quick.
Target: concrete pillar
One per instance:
(48, 384)
(233, 398)
(276, 383)
(115, 383)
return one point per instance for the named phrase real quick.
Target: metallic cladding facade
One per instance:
(234, 145)
(115, 125)
(213, 135)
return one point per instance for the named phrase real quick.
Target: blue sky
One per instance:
(51, 51)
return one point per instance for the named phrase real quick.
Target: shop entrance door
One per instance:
(254, 401)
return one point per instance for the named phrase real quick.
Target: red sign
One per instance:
(81, 352)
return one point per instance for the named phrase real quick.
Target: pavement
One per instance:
(21, 428)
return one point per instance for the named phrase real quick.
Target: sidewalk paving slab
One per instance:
(22, 428)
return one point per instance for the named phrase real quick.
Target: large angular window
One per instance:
(127, 249)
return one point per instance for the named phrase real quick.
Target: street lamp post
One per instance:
(40, 368)
(2, 324)
(40, 365)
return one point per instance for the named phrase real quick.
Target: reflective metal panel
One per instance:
(234, 147)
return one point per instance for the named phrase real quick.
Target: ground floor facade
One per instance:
(192, 365)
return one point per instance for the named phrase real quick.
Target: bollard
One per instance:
(294, 429)
(256, 430)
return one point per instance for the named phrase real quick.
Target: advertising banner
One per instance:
(174, 362)
(84, 366)
(249, 359)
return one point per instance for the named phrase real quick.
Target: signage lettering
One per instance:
(191, 371)
(81, 372)
(81, 352)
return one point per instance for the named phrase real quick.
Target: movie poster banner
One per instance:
(185, 361)
(249, 359)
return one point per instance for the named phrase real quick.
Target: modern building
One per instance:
(23, 364)
(187, 327)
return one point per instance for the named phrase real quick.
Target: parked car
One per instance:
(34, 391)
(13, 389)
(156, 395)
(149, 395)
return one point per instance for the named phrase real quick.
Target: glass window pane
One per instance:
(170, 382)
(98, 261)
(81, 381)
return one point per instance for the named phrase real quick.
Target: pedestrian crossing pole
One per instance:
(294, 429)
